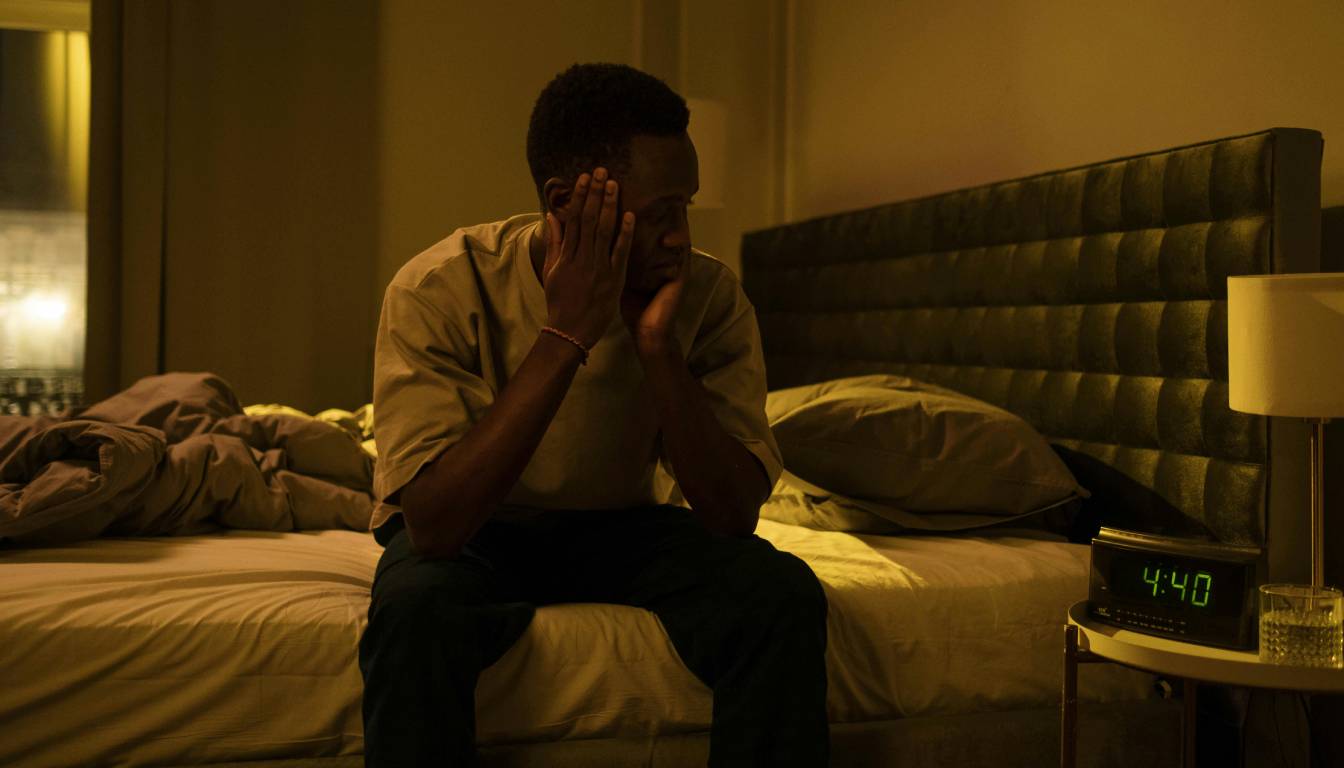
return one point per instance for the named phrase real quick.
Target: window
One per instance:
(44, 140)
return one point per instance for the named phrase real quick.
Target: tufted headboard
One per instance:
(1092, 302)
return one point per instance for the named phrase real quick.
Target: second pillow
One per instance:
(916, 446)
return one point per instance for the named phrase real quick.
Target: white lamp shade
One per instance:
(1285, 344)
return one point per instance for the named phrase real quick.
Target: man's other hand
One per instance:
(652, 318)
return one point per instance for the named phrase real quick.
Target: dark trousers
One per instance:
(747, 619)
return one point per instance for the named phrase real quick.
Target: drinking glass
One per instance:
(1301, 625)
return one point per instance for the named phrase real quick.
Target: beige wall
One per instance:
(458, 81)
(730, 54)
(837, 105)
(457, 84)
(899, 100)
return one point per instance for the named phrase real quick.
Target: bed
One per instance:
(1088, 301)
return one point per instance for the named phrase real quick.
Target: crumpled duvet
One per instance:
(174, 455)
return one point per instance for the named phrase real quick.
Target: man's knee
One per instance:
(431, 624)
(783, 587)
(407, 623)
(420, 587)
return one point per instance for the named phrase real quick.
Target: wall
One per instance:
(837, 106)
(901, 100)
(730, 53)
(457, 89)
(458, 81)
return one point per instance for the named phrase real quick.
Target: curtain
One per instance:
(233, 196)
(124, 340)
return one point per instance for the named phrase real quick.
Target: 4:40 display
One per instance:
(1197, 594)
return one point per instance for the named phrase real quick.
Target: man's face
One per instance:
(664, 175)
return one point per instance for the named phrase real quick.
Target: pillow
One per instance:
(798, 502)
(891, 442)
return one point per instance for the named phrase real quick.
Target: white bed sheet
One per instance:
(242, 645)
(183, 649)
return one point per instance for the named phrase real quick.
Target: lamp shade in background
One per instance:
(709, 132)
(1285, 344)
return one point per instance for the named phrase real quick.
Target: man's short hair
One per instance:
(587, 115)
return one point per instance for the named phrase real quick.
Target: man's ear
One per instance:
(558, 194)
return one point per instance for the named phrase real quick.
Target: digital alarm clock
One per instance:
(1187, 589)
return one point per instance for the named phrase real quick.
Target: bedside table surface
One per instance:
(1218, 665)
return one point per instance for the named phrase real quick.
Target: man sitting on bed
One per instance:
(529, 375)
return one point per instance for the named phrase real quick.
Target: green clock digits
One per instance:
(1196, 594)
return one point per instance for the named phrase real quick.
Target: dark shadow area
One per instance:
(1118, 501)
(1332, 239)
(1327, 712)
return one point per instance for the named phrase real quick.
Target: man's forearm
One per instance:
(723, 482)
(453, 496)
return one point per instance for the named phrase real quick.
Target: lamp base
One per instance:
(1317, 501)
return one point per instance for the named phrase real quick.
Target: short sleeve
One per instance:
(427, 391)
(727, 359)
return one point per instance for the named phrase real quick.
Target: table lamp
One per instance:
(1285, 357)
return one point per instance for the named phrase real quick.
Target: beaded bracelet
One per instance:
(570, 339)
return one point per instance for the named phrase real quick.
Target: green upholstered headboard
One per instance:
(1092, 302)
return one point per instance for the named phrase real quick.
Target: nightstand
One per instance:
(1087, 641)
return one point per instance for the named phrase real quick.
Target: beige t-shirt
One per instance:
(459, 318)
